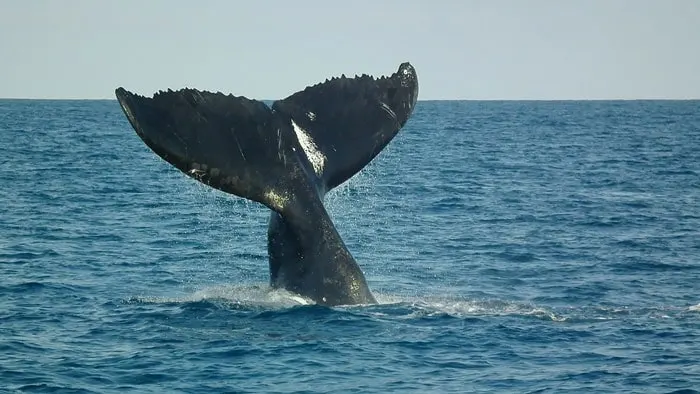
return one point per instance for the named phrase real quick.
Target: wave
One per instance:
(263, 300)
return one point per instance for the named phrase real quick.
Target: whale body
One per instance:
(287, 157)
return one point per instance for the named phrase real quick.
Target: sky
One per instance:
(461, 49)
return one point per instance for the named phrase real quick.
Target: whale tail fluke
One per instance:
(286, 157)
(328, 131)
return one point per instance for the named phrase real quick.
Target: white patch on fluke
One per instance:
(389, 111)
(317, 159)
(311, 115)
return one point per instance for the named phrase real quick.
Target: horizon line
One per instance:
(428, 99)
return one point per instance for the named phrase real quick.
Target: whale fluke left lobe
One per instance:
(228, 142)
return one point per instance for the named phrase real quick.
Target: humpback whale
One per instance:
(286, 156)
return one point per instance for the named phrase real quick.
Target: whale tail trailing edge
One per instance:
(285, 157)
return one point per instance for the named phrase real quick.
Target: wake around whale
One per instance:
(287, 157)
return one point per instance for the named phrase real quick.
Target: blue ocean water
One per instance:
(514, 247)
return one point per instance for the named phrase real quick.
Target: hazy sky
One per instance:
(485, 49)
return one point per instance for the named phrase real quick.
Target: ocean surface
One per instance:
(515, 247)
